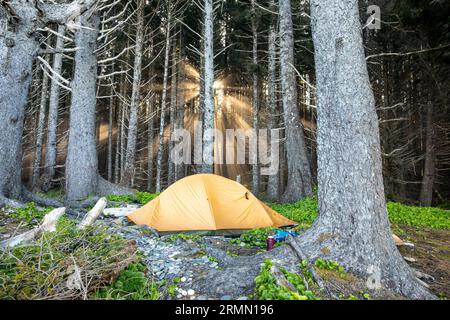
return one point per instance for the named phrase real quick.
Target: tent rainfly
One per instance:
(207, 202)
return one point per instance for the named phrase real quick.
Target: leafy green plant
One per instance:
(131, 284)
(268, 289)
(231, 254)
(328, 265)
(54, 194)
(212, 259)
(254, 238)
(138, 197)
(183, 236)
(29, 213)
(304, 212)
(428, 217)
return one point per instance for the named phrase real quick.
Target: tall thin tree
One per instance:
(299, 182)
(208, 82)
(130, 155)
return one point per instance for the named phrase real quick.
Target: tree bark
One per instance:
(426, 190)
(208, 112)
(352, 227)
(17, 53)
(135, 98)
(255, 102)
(52, 127)
(81, 162)
(273, 184)
(151, 122)
(110, 129)
(179, 168)
(299, 182)
(162, 121)
(40, 130)
(172, 112)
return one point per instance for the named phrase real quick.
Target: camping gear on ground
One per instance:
(270, 243)
(280, 235)
(207, 202)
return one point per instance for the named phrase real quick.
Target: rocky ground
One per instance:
(169, 257)
(204, 267)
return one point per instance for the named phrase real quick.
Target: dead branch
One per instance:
(47, 225)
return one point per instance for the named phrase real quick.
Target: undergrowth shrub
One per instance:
(428, 217)
(131, 284)
(254, 238)
(30, 213)
(66, 264)
(268, 289)
(304, 212)
(138, 197)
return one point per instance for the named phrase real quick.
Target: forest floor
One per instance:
(431, 255)
(192, 265)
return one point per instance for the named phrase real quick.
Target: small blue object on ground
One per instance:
(280, 235)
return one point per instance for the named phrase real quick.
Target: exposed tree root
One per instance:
(391, 272)
(238, 273)
(6, 202)
(44, 201)
(299, 252)
(87, 203)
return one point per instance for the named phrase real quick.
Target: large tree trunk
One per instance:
(51, 147)
(426, 190)
(208, 112)
(81, 162)
(130, 156)
(299, 172)
(17, 52)
(273, 184)
(352, 226)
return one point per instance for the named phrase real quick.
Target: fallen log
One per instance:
(47, 225)
(119, 212)
(93, 214)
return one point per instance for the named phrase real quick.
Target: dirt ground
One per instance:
(432, 255)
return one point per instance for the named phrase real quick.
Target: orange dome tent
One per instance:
(207, 202)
